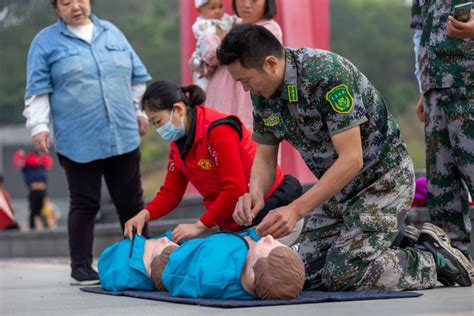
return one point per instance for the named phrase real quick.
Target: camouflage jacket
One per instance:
(324, 94)
(445, 62)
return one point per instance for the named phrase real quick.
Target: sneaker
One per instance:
(295, 247)
(84, 275)
(410, 237)
(451, 265)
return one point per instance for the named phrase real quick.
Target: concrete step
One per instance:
(54, 243)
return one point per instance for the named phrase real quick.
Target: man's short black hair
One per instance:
(249, 44)
(269, 13)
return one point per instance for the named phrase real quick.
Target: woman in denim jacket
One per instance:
(83, 73)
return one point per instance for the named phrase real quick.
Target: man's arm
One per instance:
(348, 145)
(261, 180)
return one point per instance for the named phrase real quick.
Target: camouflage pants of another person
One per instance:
(348, 246)
(449, 133)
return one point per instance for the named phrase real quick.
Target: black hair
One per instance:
(269, 13)
(250, 45)
(54, 3)
(161, 95)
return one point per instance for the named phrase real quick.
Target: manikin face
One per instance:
(262, 249)
(250, 11)
(74, 12)
(262, 82)
(257, 250)
(213, 10)
(154, 247)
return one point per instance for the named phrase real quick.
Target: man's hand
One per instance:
(142, 125)
(247, 208)
(461, 30)
(420, 108)
(137, 222)
(279, 222)
(42, 142)
(188, 231)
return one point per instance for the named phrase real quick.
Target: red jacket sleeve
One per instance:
(225, 142)
(171, 192)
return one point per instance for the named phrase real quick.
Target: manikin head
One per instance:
(153, 248)
(271, 269)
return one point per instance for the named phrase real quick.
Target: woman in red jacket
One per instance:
(213, 151)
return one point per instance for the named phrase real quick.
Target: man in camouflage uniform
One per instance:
(327, 109)
(445, 69)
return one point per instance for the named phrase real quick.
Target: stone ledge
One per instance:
(55, 243)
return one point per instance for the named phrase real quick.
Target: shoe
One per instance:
(410, 237)
(451, 265)
(295, 247)
(84, 275)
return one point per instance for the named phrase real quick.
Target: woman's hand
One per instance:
(188, 231)
(42, 141)
(137, 222)
(142, 125)
(194, 68)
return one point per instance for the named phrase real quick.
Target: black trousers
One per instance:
(123, 179)
(288, 191)
(36, 201)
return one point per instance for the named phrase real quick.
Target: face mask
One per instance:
(169, 132)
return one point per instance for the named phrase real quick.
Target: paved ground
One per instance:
(40, 287)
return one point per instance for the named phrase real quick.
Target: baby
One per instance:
(211, 20)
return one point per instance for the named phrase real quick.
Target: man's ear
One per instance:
(270, 64)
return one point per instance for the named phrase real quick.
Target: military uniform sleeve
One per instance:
(416, 20)
(261, 134)
(341, 98)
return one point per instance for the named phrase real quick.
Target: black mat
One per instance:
(308, 297)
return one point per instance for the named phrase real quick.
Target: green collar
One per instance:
(289, 88)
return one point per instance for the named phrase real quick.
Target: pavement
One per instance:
(40, 286)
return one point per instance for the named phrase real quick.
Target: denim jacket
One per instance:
(89, 87)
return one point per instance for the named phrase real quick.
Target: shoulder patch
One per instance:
(340, 99)
(271, 121)
(292, 93)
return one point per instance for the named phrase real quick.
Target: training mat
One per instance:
(308, 297)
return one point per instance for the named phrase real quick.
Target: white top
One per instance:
(84, 32)
(202, 26)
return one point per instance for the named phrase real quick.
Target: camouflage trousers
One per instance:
(449, 134)
(349, 246)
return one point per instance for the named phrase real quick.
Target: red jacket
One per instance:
(218, 165)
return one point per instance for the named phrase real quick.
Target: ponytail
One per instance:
(161, 95)
(194, 94)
